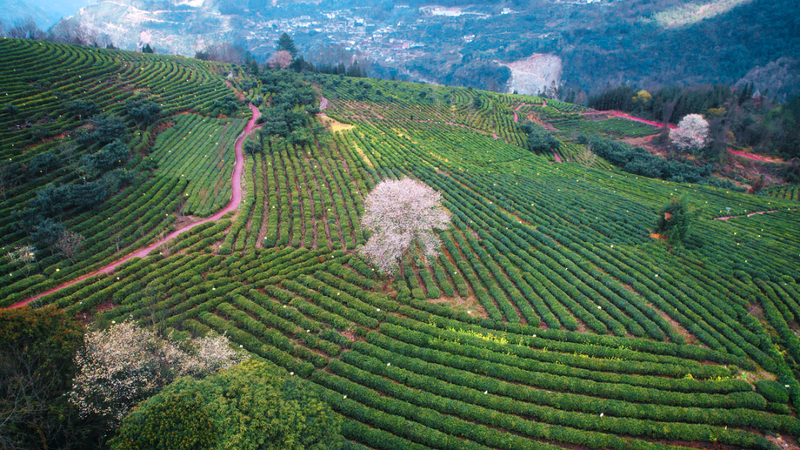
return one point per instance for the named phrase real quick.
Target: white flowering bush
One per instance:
(126, 364)
(691, 134)
(402, 215)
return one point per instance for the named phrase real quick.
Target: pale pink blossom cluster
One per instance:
(280, 60)
(401, 215)
(126, 364)
(691, 134)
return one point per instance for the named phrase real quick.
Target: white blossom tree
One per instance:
(691, 134)
(402, 216)
(126, 364)
(22, 257)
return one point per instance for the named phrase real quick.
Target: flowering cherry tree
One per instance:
(402, 214)
(691, 134)
(126, 364)
(280, 60)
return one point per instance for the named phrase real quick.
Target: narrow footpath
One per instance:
(236, 199)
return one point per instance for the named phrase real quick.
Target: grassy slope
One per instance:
(557, 320)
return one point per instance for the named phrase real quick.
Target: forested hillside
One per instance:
(643, 43)
(555, 316)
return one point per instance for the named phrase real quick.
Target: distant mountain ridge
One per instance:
(13, 10)
(644, 43)
(45, 13)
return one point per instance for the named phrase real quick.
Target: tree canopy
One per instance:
(285, 42)
(539, 139)
(691, 134)
(674, 220)
(250, 406)
(402, 215)
(36, 367)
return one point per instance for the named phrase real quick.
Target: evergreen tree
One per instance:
(674, 221)
(286, 43)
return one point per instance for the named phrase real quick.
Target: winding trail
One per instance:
(630, 117)
(673, 127)
(558, 158)
(755, 157)
(236, 199)
(746, 215)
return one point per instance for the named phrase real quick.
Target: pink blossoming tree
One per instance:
(691, 134)
(402, 216)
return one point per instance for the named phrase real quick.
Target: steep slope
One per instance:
(551, 319)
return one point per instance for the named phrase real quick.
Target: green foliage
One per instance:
(227, 105)
(83, 108)
(675, 219)
(109, 157)
(143, 113)
(553, 306)
(772, 391)
(105, 128)
(285, 42)
(250, 406)
(37, 347)
(43, 163)
(539, 139)
(176, 419)
(252, 148)
(638, 161)
(46, 234)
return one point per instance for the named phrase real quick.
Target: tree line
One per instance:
(66, 31)
(738, 116)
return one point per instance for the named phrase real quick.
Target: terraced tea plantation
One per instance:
(551, 319)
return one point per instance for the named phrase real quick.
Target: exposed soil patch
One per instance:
(87, 318)
(334, 125)
(690, 338)
(645, 142)
(757, 157)
(349, 335)
(470, 305)
(363, 156)
(784, 442)
(182, 221)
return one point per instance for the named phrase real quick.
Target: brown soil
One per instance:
(645, 142)
(470, 305)
(784, 442)
(183, 221)
(349, 335)
(334, 125)
(86, 318)
(690, 338)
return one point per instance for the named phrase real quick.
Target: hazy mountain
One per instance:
(527, 46)
(45, 13)
(13, 10)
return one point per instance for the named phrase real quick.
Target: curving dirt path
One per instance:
(673, 127)
(558, 158)
(746, 215)
(630, 117)
(323, 103)
(756, 157)
(236, 199)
